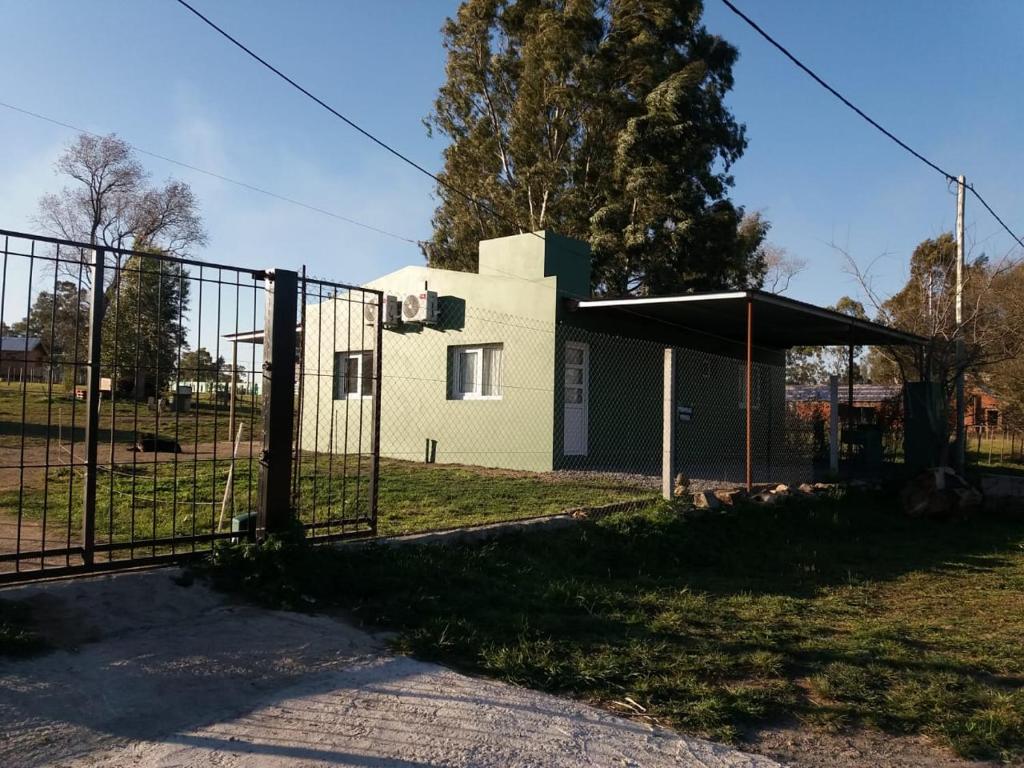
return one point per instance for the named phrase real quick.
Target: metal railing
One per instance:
(116, 455)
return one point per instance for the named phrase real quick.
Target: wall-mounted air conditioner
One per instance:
(420, 307)
(392, 312)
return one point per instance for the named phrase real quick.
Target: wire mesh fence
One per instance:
(991, 446)
(488, 415)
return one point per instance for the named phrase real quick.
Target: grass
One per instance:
(840, 614)
(146, 501)
(29, 412)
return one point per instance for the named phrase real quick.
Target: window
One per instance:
(476, 372)
(353, 375)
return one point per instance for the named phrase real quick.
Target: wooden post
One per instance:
(234, 386)
(833, 424)
(749, 394)
(668, 425)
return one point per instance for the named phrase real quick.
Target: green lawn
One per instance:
(839, 614)
(145, 501)
(27, 413)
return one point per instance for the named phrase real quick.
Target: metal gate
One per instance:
(151, 406)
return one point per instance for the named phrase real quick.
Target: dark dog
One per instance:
(152, 444)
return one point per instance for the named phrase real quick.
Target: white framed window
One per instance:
(476, 372)
(353, 375)
(758, 384)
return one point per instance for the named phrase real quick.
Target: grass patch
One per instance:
(840, 614)
(146, 500)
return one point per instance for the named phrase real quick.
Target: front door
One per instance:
(576, 395)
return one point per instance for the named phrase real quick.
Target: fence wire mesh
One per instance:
(489, 415)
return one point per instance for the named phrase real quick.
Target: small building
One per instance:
(24, 359)
(520, 368)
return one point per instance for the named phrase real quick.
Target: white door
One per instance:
(576, 395)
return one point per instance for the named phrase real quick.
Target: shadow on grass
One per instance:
(839, 613)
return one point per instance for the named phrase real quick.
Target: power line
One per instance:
(220, 177)
(351, 123)
(889, 134)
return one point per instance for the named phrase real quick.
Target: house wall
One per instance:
(514, 307)
(625, 411)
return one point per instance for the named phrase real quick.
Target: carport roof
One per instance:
(778, 322)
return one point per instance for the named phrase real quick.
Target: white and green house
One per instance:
(522, 369)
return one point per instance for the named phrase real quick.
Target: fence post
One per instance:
(668, 424)
(378, 367)
(92, 407)
(279, 349)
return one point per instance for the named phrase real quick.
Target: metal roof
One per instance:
(18, 343)
(863, 393)
(778, 321)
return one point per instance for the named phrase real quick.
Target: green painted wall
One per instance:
(515, 307)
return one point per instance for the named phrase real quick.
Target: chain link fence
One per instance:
(489, 415)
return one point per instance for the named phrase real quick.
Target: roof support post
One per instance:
(668, 422)
(749, 398)
(833, 424)
(849, 388)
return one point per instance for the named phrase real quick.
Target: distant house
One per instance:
(521, 369)
(882, 403)
(872, 403)
(23, 359)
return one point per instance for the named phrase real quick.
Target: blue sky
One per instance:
(947, 81)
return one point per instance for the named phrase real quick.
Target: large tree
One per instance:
(60, 319)
(110, 202)
(603, 120)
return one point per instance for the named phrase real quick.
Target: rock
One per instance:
(766, 497)
(729, 496)
(682, 485)
(781, 488)
(705, 500)
(807, 488)
(940, 493)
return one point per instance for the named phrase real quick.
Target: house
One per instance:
(883, 403)
(23, 359)
(520, 368)
(880, 404)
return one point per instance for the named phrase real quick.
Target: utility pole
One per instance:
(960, 410)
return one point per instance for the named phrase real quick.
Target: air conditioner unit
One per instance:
(420, 307)
(392, 312)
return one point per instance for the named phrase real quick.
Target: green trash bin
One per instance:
(243, 525)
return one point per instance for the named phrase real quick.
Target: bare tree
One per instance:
(111, 204)
(780, 268)
(992, 330)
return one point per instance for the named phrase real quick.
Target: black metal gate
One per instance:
(153, 405)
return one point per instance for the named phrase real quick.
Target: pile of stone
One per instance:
(940, 493)
(723, 498)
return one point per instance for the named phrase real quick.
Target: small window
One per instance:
(353, 375)
(476, 372)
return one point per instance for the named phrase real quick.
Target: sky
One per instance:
(946, 81)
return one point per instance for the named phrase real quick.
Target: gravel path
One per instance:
(150, 674)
